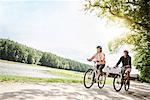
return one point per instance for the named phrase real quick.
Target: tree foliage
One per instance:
(136, 13)
(13, 51)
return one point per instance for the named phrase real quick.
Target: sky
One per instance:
(58, 26)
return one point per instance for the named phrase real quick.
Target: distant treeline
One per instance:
(13, 51)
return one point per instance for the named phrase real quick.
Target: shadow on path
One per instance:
(73, 92)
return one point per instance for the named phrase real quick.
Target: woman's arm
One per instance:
(90, 59)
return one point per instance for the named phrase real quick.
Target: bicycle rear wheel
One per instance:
(127, 85)
(89, 77)
(117, 82)
(101, 81)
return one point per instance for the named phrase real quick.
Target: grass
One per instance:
(6, 61)
(74, 75)
(66, 73)
(32, 79)
(67, 76)
(7, 78)
(109, 80)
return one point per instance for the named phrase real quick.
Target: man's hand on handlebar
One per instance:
(127, 66)
(89, 59)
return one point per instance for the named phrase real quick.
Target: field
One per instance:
(61, 75)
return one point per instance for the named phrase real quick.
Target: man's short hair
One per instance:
(126, 51)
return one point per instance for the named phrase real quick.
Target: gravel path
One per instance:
(60, 91)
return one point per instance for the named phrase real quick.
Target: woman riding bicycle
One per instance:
(126, 64)
(99, 57)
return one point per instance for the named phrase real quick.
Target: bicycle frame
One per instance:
(95, 69)
(122, 71)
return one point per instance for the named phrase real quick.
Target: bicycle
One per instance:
(120, 80)
(90, 77)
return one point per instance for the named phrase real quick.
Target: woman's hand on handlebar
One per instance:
(115, 66)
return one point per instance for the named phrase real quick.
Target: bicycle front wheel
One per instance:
(89, 77)
(101, 81)
(117, 82)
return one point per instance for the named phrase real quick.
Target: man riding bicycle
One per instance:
(126, 64)
(99, 57)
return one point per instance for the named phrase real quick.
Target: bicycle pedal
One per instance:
(95, 81)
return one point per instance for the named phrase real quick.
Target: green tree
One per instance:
(136, 13)
(10, 50)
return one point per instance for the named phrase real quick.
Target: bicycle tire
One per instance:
(85, 79)
(127, 86)
(120, 83)
(99, 85)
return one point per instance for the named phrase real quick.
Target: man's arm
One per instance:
(130, 61)
(119, 62)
